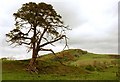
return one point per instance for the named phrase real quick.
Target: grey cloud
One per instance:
(97, 47)
(94, 41)
(70, 12)
(99, 44)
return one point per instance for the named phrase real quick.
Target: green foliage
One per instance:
(39, 15)
(36, 23)
(3, 58)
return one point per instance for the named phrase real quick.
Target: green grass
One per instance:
(108, 75)
(80, 65)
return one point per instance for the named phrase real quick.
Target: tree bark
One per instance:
(32, 64)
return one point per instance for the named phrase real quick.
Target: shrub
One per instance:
(84, 52)
(4, 58)
(90, 68)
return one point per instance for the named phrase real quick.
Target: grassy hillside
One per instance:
(78, 65)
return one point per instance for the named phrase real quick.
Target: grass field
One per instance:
(79, 65)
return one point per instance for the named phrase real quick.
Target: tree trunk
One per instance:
(32, 63)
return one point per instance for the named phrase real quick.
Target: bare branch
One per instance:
(48, 41)
(66, 44)
(28, 31)
(25, 43)
(52, 41)
(25, 38)
(45, 29)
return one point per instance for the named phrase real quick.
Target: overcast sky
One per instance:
(94, 25)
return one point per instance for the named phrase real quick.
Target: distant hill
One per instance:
(66, 55)
(77, 57)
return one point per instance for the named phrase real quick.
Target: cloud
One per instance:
(70, 12)
(94, 25)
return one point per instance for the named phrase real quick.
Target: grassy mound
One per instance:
(79, 65)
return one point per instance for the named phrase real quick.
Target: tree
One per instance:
(37, 25)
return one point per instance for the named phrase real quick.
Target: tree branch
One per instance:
(48, 41)
(25, 43)
(66, 44)
(42, 49)
(25, 38)
(29, 31)
(45, 29)
(51, 41)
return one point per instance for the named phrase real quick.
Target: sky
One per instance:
(94, 25)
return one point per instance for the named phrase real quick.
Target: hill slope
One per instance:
(78, 64)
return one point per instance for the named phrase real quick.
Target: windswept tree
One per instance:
(37, 25)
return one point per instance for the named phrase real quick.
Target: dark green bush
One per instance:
(84, 52)
(90, 68)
